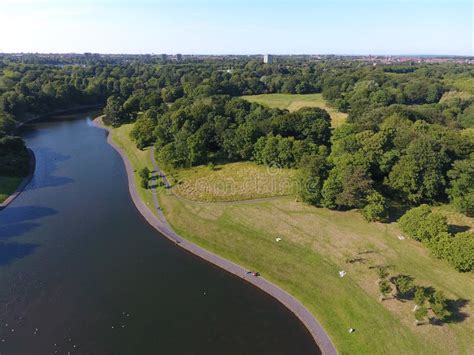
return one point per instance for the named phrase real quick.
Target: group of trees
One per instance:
(413, 162)
(428, 301)
(431, 228)
(404, 139)
(221, 128)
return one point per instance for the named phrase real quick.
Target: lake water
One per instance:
(82, 272)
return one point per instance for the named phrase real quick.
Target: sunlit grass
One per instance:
(295, 102)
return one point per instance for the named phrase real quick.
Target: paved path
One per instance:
(160, 224)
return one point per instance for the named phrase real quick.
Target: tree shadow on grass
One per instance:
(454, 228)
(456, 308)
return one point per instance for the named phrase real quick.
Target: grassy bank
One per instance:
(8, 185)
(295, 102)
(317, 243)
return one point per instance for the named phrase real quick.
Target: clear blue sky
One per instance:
(238, 26)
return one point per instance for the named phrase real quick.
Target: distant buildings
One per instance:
(268, 59)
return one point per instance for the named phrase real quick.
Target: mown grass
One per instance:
(295, 102)
(8, 185)
(233, 182)
(316, 244)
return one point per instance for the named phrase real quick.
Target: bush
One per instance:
(144, 173)
(460, 252)
(376, 208)
(421, 224)
(144, 183)
(439, 305)
(404, 284)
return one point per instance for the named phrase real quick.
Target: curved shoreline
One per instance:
(320, 337)
(26, 180)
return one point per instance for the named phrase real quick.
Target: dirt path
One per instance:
(162, 226)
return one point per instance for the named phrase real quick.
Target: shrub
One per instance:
(144, 183)
(421, 224)
(404, 284)
(376, 207)
(439, 305)
(460, 252)
(384, 287)
(420, 314)
(144, 173)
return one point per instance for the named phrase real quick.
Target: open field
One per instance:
(295, 102)
(8, 185)
(316, 244)
(233, 182)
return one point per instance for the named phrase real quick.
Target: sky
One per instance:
(443, 27)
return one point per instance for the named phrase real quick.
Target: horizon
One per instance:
(433, 55)
(223, 27)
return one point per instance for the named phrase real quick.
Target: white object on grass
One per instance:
(342, 273)
(401, 237)
(278, 239)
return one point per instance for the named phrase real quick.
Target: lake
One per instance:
(81, 271)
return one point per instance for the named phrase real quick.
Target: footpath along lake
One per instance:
(81, 271)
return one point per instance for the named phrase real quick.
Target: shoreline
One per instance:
(77, 109)
(26, 180)
(322, 340)
(32, 163)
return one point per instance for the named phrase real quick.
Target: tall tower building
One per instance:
(268, 59)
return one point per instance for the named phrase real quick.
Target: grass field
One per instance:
(233, 182)
(8, 185)
(295, 102)
(316, 244)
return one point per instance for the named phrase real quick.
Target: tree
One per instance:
(385, 288)
(418, 175)
(461, 191)
(144, 173)
(420, 296)
(311, 175)
(421, 224)
(439, 305)
(420, 314)
(461, 252)
(404, 284)
(348, 184)
(376, 208)
(114, 113)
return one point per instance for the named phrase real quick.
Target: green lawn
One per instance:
(233, 182)
(316, 244)
(295, 102)
(8, 185)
